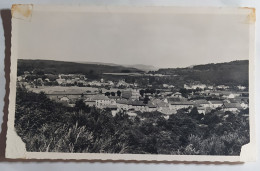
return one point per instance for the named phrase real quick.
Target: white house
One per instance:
(195, 86)
(177, 94)
(202, 110)
(165, 85)
(101, 101)
(90, 102)
(200, 86)
(244, 105)
(210, 87)
(64, 99)
(222, 87)
(241, 87)
(135, 94)
(19, 78)
(60, 81)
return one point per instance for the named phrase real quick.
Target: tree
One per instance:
(91, 72)
(107, 94)
(125, 71)
(146, 99)
(184, 92)
(113, 93)
(152, 91)
(118, 93)
(142, 92)
(79, 104)
(46, 125)
(194, 111)
(195, 114)
(40, 72)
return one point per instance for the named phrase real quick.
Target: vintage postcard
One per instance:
(132, 83)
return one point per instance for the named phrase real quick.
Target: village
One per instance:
(130, 98)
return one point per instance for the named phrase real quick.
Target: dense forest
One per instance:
(45, 125)
(229, 73)
(60, 67)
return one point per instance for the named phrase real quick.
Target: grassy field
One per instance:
(70, 90)
(53, 89)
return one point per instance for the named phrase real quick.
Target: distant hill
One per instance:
(61, 67)
(98, 63)
(142, 67)
(228, 73)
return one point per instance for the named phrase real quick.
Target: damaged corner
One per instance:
(22, 11)
(15, 146)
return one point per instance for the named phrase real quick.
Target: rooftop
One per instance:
(136, 103)
(203, 101)
(232, 105)
(122, 101)
(151, 105)
(114, 97)
(99, 97)
(182, 103)
(112, 106)
(216, 102)
(126, 94)
(176, 99)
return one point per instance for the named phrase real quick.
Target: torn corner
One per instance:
(22, 11)
(248, 152)
(15, 147)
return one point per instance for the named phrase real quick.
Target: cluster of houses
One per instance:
(130, 100)
(31, 80)
(197, 85)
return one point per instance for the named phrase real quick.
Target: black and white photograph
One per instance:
(148, 81)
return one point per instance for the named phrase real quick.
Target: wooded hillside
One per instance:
(229, 73)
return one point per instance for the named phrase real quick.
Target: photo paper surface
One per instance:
(132, 83)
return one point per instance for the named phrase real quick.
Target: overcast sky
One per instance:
(158, 39)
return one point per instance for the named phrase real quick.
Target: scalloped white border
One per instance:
(15, 148)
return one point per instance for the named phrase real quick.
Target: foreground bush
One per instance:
(47, 126)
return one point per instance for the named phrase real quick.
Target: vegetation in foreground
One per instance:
(48, 126)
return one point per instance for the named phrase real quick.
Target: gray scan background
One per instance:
(109, 166)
